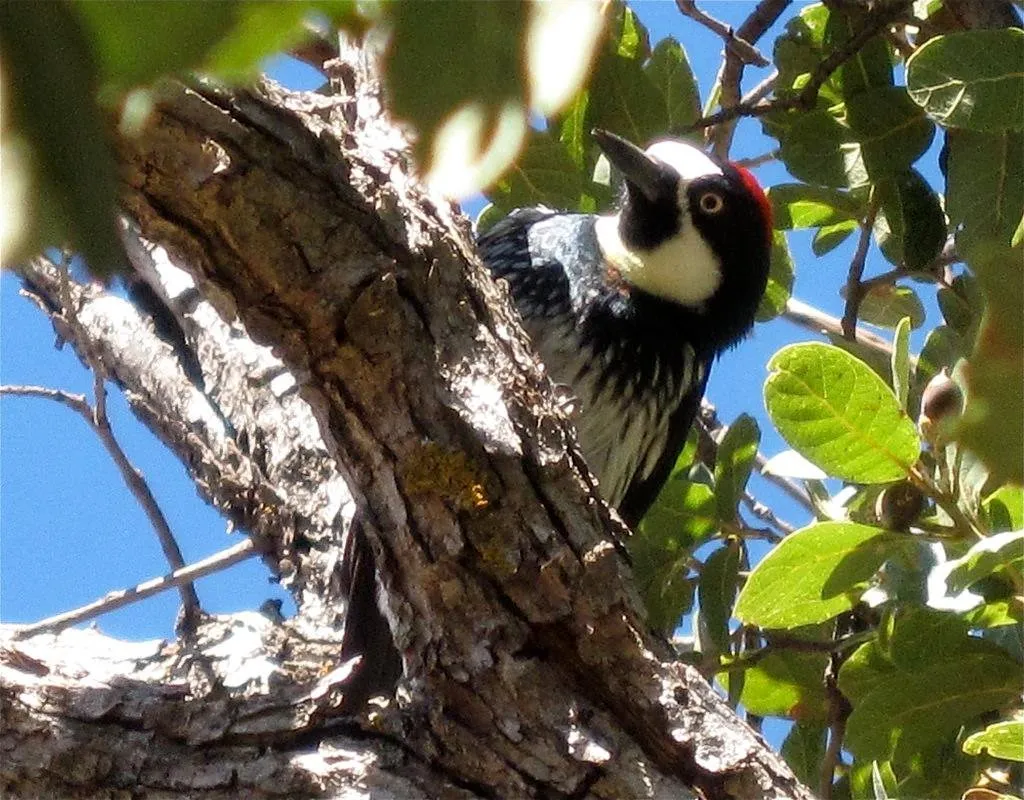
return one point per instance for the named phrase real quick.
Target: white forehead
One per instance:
(689, 161)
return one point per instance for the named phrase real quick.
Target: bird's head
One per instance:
(689, 229)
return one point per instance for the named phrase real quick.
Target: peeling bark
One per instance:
(528, 668)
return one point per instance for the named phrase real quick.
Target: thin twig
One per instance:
(876, 22)
(115, 600)
(100, 423)
(96, 419)
(756, 161)
(138, 486)
(743, 49)
(792, 488)
(762, 512)
(761, 90)
(814, 319)
(854, 290)
(764, 15)
(839, 712)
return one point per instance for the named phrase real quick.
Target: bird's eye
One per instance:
(711, 203)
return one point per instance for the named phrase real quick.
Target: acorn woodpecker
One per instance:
(631, 308)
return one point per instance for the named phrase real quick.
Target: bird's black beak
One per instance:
(636, 166)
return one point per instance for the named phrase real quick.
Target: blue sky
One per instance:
(71, 531)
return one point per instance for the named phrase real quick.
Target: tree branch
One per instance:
(854, 290)
(124, 597)
(753, 28)
(875, 22)
(743, 49)
(96, 418)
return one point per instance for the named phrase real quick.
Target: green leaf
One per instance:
(716, 592)
(891, 130)
(786, 683)
(909, 691)
(804, 750)
(800, 49)
(832, 409)
(971, 79)
(800, 205)
(623, 96)
(544, 174)
(1005, 508)
(993, 553)
(50, 79)
(736, 454)
(885, 305)
(872, 780)
(828, 237)
(669, 72)
(901, 361)
(985, 188)
(877, 134)
(1000, 740)
(423, 88)
(137, 42)
(817, 147)
(912, 710)
(910, 226)
(663, 543)
(992, 424)
(814, 574)
(942, 348)
(871, 64)
(780, 280)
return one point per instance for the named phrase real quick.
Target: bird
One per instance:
(630, 309)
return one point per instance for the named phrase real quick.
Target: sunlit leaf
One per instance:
(1000, 740)
(838, 413)
(814, 574)
(735, 459)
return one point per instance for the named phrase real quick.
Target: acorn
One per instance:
(941, 403)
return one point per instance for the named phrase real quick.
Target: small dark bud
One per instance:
(941, 403)
(898, 506)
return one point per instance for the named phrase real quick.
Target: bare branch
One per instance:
(96, 418)
(763, 512)
(743, 49)
(877, 20)
(115, 600)
(76, 402)
(814, 319)
(854, 290)
(754, 26)
(757, 161)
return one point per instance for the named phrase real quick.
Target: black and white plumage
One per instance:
(630, 309)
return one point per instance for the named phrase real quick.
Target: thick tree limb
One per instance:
(529, 670)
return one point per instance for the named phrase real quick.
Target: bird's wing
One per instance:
(643, 492)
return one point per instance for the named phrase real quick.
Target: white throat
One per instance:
(683, 270)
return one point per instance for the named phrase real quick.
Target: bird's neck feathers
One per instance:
(683, 269)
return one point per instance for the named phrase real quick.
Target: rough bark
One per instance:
(528, 669)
